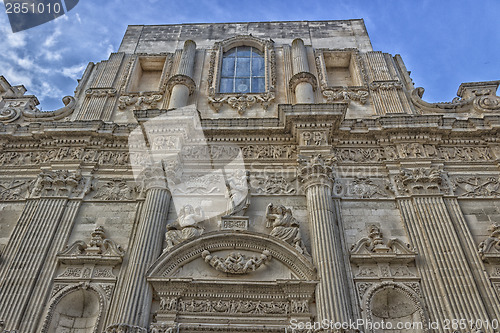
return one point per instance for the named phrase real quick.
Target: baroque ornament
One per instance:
(236, 263)
(98, 246)
(61, 183)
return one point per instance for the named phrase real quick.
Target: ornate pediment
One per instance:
(99, 250)
(375, 249)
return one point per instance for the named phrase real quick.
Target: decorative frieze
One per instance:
(15, 189)
(363, 188)
(476, 187)
(241, 102)
(141, 101)
(272, 184)
(489, 249)
(114, 190)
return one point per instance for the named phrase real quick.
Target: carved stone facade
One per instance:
(155, 200)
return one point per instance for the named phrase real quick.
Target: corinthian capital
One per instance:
(153, 176)
(315, 170)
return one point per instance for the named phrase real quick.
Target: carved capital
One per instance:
(181, 79)
(153, 177)
(421, 181)
(315, 170)
(302, 77)
(61, 183)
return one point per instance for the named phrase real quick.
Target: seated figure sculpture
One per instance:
(185, 226)
(285, 226)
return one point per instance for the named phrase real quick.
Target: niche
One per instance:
(147, 73)
(77, 312)
(342, 69)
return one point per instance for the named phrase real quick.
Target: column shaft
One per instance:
(332, 297)
(299, 57)
(136, 294)
(179, 95)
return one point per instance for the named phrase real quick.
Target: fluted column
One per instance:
(29, 259)
(132, 307)
(448, 281)
(302, 82)
(182, 84)
(332, 297)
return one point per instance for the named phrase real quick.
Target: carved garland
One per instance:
(241, 102)
(236, 263)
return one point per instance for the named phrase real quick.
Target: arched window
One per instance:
(243, 71)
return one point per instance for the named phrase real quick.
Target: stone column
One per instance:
(332, 297)
(135, 295)
(448, 279)
(182, 84)
(29, 259)
(302, 82)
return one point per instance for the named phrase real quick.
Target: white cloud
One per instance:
(74, 72)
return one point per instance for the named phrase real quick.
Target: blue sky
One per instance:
(443, 43)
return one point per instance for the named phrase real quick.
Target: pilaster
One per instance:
(437, 228)
(29, 259)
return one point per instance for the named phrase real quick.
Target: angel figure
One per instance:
(185, 226)
(285, 226)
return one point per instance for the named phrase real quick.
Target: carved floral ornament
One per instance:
(61, 183)
(241, 102)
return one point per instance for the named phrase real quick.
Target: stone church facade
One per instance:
(250, 177)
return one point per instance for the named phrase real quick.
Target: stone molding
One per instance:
(181, 79)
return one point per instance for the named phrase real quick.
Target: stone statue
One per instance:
(185, 227)
(285, 226)
(239, 193)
